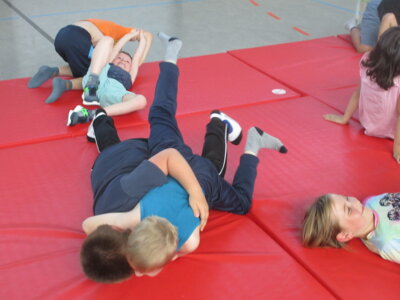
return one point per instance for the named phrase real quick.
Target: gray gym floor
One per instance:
(28, 27)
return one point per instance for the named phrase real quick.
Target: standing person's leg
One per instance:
(164, 131)
(220, 129)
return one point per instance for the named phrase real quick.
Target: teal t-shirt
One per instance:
(385, 239)
(170, 201)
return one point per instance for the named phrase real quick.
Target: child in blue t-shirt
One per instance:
(152, 193)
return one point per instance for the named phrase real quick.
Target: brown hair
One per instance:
(319, 230)
(126, 53)
(103, 255)
(152, 244)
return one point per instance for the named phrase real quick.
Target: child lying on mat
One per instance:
(379, 91)
(149, 194)
(111, 74)
(334, 220)
(75, 44)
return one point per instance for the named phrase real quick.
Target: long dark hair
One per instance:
(383, 62)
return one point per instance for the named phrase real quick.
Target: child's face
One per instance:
(353, 218)
(123, 61)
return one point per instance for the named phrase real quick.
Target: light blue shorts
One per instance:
(110, 91)
(370, 22)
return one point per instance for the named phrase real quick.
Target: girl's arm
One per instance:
(396, 144)
(350, 109)
(172, 163)
(149, 39)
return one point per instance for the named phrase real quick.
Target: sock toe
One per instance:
(283, 149)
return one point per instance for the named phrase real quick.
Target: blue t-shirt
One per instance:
(170, 201)
(122, 175)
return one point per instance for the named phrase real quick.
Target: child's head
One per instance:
(103, 255)
(383, 62)
(123, 60)
(334, 219)
(151, 245)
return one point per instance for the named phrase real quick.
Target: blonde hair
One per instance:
(319, 229)
(152, 244)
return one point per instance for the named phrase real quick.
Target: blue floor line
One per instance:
(335, 6)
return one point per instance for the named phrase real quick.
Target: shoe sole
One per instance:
(92, 103)
(76, 109)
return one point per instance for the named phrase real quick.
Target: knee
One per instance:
(106, 41)
(246, 206)
(388, 20)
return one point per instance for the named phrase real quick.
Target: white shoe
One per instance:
(234, 129)
(350, 24)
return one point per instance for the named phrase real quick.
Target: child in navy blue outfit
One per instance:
(136, 179)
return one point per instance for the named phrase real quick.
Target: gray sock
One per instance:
(172, 44)
(257, 139)
(93, 81)
(59, 87)
(44, 73)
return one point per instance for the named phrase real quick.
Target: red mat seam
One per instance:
(274, 237)
(301, 93)
(80, 133)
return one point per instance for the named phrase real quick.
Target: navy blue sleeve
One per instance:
(124, 192)
(141, 180)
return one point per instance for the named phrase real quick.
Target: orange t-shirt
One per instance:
(110, 28)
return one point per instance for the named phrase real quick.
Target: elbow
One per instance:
(86, 227)
(142, 101)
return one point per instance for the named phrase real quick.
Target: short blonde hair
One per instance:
(319, 229)
(152, 244)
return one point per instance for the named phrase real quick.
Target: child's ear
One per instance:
(344, 236)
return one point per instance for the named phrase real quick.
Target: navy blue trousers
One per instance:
(220, 194)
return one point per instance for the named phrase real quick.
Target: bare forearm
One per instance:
(180, 169)
(137, 58)
(149, 40)
(113, 219)
(172, 163)
(352, 106)
(120, 44)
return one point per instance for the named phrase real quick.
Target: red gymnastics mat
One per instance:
(41, 226)
(28, 119)
(46, 193)
(317, 67)
(323, 157)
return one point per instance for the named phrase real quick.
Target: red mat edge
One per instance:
(291, 253)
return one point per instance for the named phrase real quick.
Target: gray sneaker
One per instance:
(78, 115)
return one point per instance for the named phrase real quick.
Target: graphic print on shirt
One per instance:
(392, 199)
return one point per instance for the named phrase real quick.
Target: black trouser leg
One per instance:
(105, 133)
(215, 145)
